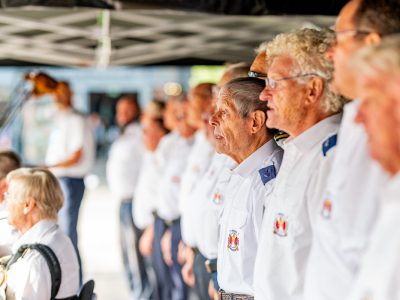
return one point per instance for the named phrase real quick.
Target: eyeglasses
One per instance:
(253, 74)
(273, 83)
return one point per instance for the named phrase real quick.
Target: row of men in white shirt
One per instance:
(323, 204)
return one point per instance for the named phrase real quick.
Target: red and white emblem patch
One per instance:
(233, 240)
(217, 198)
(326, 209)
(281, 225)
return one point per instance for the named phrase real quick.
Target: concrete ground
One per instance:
(99, 240)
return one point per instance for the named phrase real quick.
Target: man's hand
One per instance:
(166, 247)
(146, 241)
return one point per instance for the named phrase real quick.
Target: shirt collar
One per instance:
(255, 160)
(313, 135)
(35, 234)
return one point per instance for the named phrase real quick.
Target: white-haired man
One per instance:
(300, 103)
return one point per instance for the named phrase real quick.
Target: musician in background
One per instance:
(70, 156)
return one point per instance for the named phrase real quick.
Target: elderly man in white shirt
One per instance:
(348, 211)
(122, 170)
(34, 198)
(240, 132)
(172, 154)
(300, 103)
(199, 111)
(378, 77)
(70, 156)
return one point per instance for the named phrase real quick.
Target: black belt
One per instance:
(211, 265)
(222, 295)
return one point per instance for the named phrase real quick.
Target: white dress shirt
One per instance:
(146, 194)
(291, 211)
(209, 200)
(241, 218)
(198, 161)
(29, 277)
(8, 234)
(124, 162)
(70, 132)
(379, 274)
(347, 214)
(172, 157)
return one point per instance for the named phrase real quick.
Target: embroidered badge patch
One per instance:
(281, 225)
(326, 209)
(267, 174)
(217, 198)
(233, 240)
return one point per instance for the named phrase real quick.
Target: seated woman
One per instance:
(34, 198)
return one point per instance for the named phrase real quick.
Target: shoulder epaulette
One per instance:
(329, 144)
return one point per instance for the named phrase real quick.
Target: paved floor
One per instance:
(99, 243)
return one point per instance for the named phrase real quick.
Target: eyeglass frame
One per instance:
(268, 84)
(253, 74)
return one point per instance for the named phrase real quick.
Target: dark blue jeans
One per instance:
(179, 288)
(134, 263)
(73, 189)
(164, 280)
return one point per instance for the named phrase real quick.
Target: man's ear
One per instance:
(29, 205)
(258, 119)
(315, 89)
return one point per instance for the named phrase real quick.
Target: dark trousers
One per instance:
(134, 263)
(73, 189)
(179, 289)
(164, 280)
(202, 277)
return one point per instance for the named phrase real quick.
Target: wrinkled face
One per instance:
(183, 127)
(378, 116)
(231, 130)
(169, 114)
(286, 102)
(152, 132)
(198, 110)
(15, 207)
(393, 89)
(125, 112)
(345, 46)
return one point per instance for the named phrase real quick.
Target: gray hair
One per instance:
(383, 57)
(41, 185)
(9, 161)
(262, 47)
(307, 47)
(245, 94)
(237, 70)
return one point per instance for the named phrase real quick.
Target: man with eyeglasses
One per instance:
(300, 103)
(348, 209)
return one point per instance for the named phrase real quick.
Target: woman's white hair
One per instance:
(41, 185)
(308, 47)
